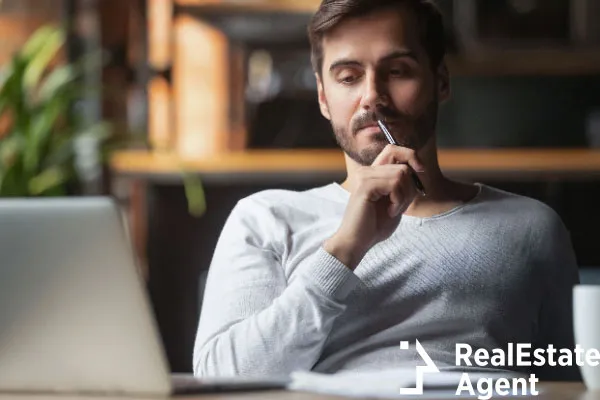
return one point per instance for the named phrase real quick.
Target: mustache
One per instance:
(366, 118)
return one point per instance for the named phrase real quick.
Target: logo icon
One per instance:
(421, 369)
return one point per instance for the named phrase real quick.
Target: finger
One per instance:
(392, 154)
(396, 203)
(386, 173)
(402, 192)
(391, 181)
(377, 188)
(389, 171)
(386, 156)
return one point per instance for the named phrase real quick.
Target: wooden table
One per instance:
(548, 391)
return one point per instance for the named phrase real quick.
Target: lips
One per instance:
(367, 126)
(373, 126)
(369, 129)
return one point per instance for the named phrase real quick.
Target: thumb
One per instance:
(393, 154)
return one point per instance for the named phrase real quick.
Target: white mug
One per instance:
(586, 323)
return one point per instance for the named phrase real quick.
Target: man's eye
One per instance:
(348, 79)
(398, 72)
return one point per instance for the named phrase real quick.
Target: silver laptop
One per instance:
(74, 314)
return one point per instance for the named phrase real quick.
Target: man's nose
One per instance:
(375, 93)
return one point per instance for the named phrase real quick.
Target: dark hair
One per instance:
(332, 12)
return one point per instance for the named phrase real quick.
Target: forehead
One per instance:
(371, 35)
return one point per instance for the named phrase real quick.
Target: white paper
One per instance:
(387, 384)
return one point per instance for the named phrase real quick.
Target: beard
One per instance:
(409, 131)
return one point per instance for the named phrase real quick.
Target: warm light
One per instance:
(160, 114)
(160, 14)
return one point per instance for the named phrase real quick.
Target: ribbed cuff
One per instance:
(331, 276)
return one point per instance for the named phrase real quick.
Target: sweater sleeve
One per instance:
(253, 323)
(556, 312)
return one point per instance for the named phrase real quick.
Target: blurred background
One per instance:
(146, 99)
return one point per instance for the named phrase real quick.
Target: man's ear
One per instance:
(443, 82)
(322, 99)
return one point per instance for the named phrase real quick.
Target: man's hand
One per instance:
(381, 194)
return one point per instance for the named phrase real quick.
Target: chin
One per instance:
(367, 155)
(374, 147)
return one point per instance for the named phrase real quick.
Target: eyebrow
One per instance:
(345, 62)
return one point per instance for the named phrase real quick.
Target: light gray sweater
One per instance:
(498, 269)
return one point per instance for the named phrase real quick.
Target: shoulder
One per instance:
(267, 219)
(287, 204)
(278, 209)
(529, 221)
(520, 210)
(272, 196)
(534, 228)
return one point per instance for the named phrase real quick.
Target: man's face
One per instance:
(373, 63)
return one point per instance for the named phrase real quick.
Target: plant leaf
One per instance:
(64, 77)
(59, 152)
(10, 151)
(12, 183)
(40, 54)
(56, 81)
(46, 181)
(195, 194)
(100, 131)
(14, 97)
(36, 41)
(5, 76)
(41, 129)
(10, 93)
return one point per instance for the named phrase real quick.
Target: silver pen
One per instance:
(391, 140)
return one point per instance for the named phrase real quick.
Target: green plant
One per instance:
(39, 126)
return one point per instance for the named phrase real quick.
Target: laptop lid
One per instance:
(74, 314)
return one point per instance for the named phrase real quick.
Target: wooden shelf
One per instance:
(292, 6)
(532, 62)
(535, 61)
(280, 161)
(513, 164)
